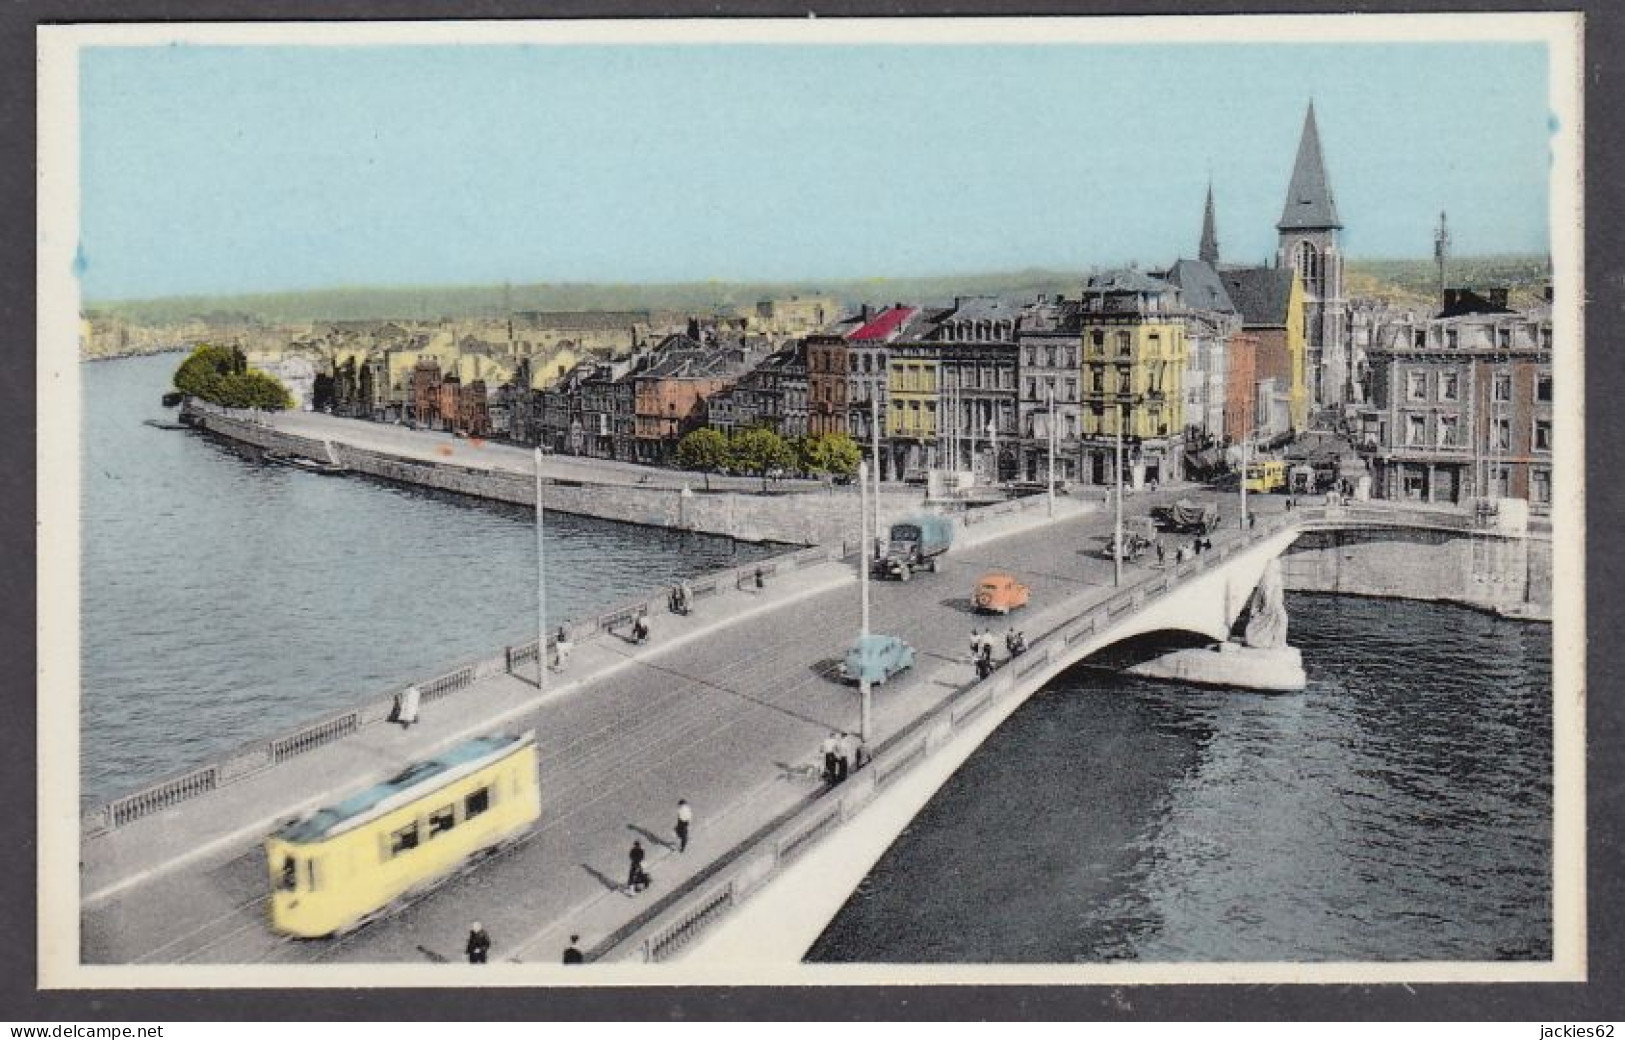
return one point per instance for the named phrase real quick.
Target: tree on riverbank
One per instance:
(221, 376)
(835, 454)
(705, 450)
(760, 451)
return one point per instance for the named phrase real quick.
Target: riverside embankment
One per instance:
(1441, 557)
(584, 487)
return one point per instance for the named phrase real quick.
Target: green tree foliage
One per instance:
(834, 453)
(221, 376)
(760, 451)
(705, 450)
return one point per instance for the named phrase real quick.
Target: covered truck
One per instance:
(1186, 517)
(914, 545)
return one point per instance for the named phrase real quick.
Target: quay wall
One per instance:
(1509, 575)
(807, 518)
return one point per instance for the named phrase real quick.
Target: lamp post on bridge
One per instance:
(865, 693)
(1124, 404)
(541, 585)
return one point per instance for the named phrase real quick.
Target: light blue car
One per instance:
(876, 658)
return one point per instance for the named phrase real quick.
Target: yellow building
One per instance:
(912, 379)
(1133, 362)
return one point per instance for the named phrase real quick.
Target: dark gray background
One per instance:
(20, 999)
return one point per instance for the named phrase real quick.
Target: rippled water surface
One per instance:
(1399, 809)
(224, 599)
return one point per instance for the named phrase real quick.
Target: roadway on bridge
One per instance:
(729, 719)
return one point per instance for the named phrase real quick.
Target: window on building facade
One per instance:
(1049, 357)
(1543, 388)
(1416, 386)
(1123, 382)
(1540, 486)
(1307, 261)
(1501, 438)
(1071, 357)
(1543, 435)
(1032, 389)
(1503, 387)
(1503, 338)
(1125, 344)
(1098, 339)
(1545, 339)
(1449, 386)
(1071, 426)
(1448, 425)
(1416, 430)
(1071, 389)
(1450, 339)
(1420, 338)
(1097, 379)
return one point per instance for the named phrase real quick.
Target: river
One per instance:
(224, 599)
(1399, 808)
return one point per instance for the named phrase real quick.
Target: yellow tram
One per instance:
(1266, 475)
(332, 869)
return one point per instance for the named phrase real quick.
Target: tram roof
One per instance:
(323, 821)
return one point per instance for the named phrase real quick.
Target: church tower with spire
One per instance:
(1208, 251)
(1309, 244)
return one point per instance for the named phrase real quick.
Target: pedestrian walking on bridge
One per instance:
(831, 763)
(636, 879)
(685, 818)
(478, 945)
(572, 952)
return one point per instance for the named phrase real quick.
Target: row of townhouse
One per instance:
(1460, 403)
(982, 384)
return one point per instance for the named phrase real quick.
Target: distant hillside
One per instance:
(1405, 280)
(1415, 282)
(430, 302)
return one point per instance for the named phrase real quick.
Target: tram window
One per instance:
(442, 820)
(310, 873)
(476, 803)
(290, 875)
(404, 840)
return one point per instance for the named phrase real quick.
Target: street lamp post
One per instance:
(1050, 422)
(864, 690)
(1246, 440)
(541, 585)
(1117, 544)
(874, 443)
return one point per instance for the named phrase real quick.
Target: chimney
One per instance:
(1498, 297)
(1548, 292)
(864, 314)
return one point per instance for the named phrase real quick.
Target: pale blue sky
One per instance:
(240, 169)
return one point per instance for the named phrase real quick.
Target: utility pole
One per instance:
(874, 440)
(1117, 544)
(1441, 252)
(1050, 422)
(864, 690)
(541, 585)
(1246, 439)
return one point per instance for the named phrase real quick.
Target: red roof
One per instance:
(884, 325)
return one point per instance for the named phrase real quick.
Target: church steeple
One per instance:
(1309, 203)
(1208, 251)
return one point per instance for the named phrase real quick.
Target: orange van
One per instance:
(999, 593)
